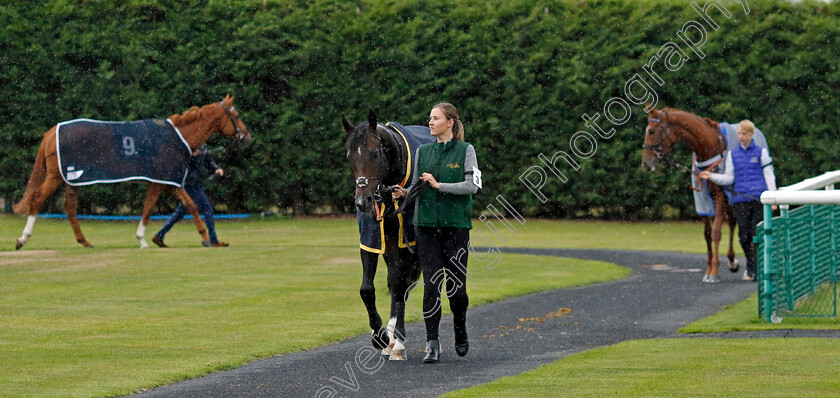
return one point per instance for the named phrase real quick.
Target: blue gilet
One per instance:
(749, 175)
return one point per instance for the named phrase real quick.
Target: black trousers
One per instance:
(439, 250)
(748, 214)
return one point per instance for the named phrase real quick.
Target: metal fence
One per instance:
(799, 250)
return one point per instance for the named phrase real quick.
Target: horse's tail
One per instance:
(36, 178)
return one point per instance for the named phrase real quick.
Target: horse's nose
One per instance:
(649, 163)
(364, 202)
(247, 141)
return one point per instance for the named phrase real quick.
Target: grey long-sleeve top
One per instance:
(466, 187)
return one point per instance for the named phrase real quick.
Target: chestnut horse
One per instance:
(379, 159)
(195, 125)
(665, 128)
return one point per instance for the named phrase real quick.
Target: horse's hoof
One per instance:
(734, 266)
(397, 352)
(387, 350)
(206, 243)
(379, 338)
(712, 279)
(705, 278)
(18, 244)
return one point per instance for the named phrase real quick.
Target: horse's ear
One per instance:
(346, 125)
(711, 122)
(652, 112)
(371, 120)
(228, 100)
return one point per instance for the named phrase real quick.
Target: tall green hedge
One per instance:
(522, 73)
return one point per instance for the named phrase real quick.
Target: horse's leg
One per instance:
(152, 195)
(185, 198)
(733, 262)
(720, 204)
(368, 293)
(707, 234)
(46, 189)
(71, 204)
(397, 284)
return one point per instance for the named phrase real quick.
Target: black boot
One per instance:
(462, 348)
(432, 351)
(462, 345)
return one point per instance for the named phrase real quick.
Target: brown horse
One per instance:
(195, 125)
(665, 128)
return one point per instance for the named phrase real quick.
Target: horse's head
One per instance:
(371, 151)
(232, 125)
(659, 139)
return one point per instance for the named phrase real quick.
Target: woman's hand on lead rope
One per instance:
(431, 180)
(398, 191)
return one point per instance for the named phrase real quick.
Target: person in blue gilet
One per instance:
(750, 168)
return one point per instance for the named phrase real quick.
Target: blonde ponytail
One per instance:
(459, 135)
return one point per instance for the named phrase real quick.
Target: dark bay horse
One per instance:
(665, 128)
(380, 157)
(195, 126)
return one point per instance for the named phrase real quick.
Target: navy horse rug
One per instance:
(371, 230)
(93, 152)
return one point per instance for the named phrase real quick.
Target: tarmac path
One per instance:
(662, 294)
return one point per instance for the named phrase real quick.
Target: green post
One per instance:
(768, 241)
(812, 249)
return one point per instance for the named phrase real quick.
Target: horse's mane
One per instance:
(189, 116)
(711, 123)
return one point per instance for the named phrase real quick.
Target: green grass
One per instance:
(115, 319)
(682, 368)
(109, 321)
(743, 316)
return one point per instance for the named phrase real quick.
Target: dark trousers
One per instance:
(748, 215)
(204, 208)
(437, 247)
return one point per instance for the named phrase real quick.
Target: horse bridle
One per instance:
(657, 149)
(380, 189)
(364, 182)
(240, 135)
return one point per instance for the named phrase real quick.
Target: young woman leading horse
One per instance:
(95, 145)
(665, 128)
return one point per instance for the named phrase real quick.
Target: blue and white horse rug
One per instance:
(93, 152)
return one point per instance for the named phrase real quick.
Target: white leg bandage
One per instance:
(141, 235)
(27, 231)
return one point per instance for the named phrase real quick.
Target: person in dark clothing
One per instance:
(750, 168)
(443, 223)
(201, 160)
